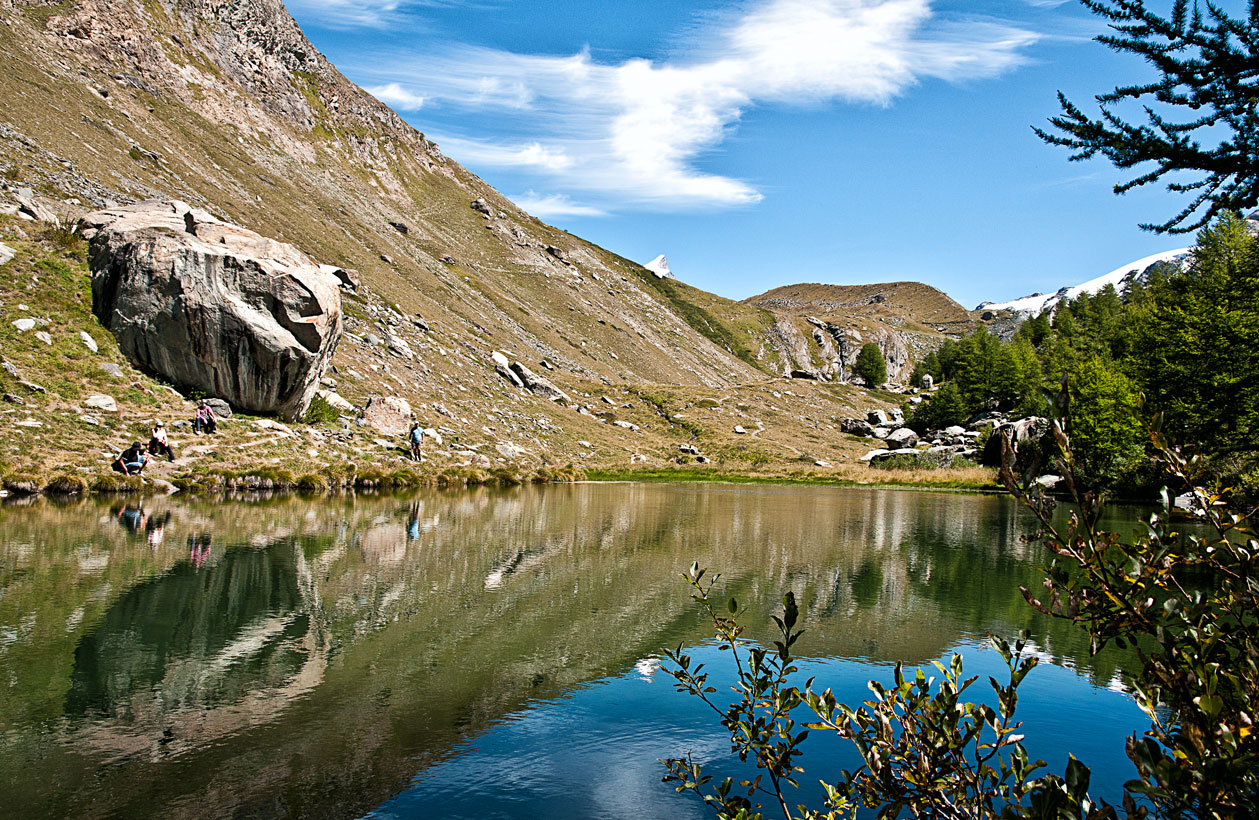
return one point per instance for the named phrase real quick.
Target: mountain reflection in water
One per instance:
(307, 657)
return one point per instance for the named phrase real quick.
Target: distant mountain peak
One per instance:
(660, 267)
(1120, 278)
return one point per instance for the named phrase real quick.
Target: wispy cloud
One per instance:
(550, 206)
(632, 132)
(346, 13)
(395, 95)
(350, 14)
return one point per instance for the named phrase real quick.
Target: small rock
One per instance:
(88, 341)
(163, 486)
(400, 227)
(481, 207)
(688, 448)
(112, 369)
(268, 424)
(43, 336)
(399, 345)
(703, 459)
(820, 463)
(738, 429)
(6, 253)
(508, 450)
(24, 325)
(12, 399)
(92, 420)
(103, 403)
(29, 423)
(585, 444)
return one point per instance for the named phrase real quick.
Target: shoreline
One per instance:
(327, 479)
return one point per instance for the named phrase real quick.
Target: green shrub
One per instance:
(320, 411)
(311, 482)
(22, 483)
(65, 484)
(115, 483)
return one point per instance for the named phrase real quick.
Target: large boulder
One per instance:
(1030, 439)
(539, 385)
(389, 414)
(902, 438)
(212, 307)
(856, 427)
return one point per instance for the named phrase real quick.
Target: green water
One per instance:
(338, 657)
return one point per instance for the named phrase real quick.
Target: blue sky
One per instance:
(770, 142)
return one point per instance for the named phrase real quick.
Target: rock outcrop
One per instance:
(389, 414)
(213, 307)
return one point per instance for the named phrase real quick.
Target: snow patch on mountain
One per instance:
(1120, 277)
(660, 267)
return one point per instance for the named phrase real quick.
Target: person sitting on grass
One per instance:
(205, 422)
(132, 460)
(159, 445)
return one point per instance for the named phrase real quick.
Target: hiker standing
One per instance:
(416, 437)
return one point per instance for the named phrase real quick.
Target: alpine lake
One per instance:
(487, 653)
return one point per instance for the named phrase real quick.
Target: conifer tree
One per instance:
(1200, 109)
(871, 365)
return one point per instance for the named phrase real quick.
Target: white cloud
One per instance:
(395, 95)
(631, 132)
(550, 206)
(530, 155)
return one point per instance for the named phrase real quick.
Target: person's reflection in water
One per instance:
(199, 549)
(132, 517)
(413, 522)
(155, 529)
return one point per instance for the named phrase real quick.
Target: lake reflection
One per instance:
(311, 658)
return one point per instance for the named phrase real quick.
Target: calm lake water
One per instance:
(488, 654)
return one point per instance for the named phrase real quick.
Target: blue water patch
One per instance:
(594, 754)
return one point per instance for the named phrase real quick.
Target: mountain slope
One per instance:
(227, 106)
(905, 319)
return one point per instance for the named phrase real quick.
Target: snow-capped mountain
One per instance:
(1120, 277)
(660, 267)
